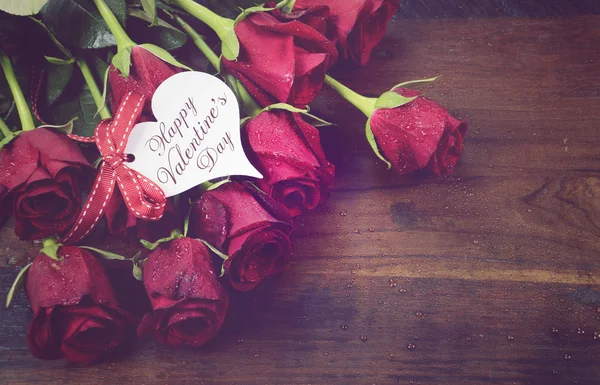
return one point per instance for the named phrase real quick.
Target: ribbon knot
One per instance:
(142, 197)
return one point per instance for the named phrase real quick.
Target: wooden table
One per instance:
(490, 276)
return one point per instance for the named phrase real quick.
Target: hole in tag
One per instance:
(129, 158)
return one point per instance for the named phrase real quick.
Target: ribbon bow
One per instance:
(142, 197)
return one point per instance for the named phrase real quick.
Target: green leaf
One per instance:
(392, 99)
(22, 7)
(78, 23)
(312, 119)
(122, 61)
(150, 9)
(17, 285)
(162, 34)
(164, 55)
(230, 45)
(373, 143)
(414, 82)
(58, 79)
(66, 128)
(105, 254)
(51, 251)
(59, 61)
(77, 102)
(89, 112)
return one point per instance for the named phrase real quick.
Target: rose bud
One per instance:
(75, 313)
(288, 153)
(188, 302)
(42, 170)
(413, 132)
(249, 226)
(301, 55)
(360, 24)
(146, 73)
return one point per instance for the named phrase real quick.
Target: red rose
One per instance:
(188, 302)
(124, 224)
(281, 59)
(75, 312)
(249, 226)
(5, 206)
(288, 153)
(360, 24)
(418, 135)
(147, 72)
(41, 170)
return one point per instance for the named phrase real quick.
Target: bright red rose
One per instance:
(249, 226)
(360, 24)
(75, 314)
(42, 171)
(419, 135)
(147, 72)
(288, 153)
(188, 302)
(281, 59)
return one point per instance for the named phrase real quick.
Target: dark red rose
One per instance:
(249, 226)
(75, 314)
(124, 224)
(419, 135)
(360, 24)
(5, 206)
(188, 302)
(42, 171)
(288, 153)
(281, 59)
(147, 72)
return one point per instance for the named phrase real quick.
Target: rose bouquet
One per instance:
(73, 166)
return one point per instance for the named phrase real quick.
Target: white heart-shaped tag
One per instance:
(196, 138)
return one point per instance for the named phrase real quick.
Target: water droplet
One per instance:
(555, 330)
(358, 231)
(393, 283)
(411, 346)
(349, 286)
(371, 230)
(567, 357)
(419, 314)
(580, 331)
(363, 338)
(325, 354)
(554, 371)
(402, 290)
(344, 327)
(330, 330)
(240, 341)
(510, 338)
(343, 213)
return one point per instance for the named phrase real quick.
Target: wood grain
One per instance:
(492, 274)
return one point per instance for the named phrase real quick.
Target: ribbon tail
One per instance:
(142, 197)
(94, 207)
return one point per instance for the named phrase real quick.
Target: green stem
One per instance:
(123, 41)
(22, 106)
(221, 25)
(96, 94)
(364, 104)
(250, 106)
(199, 42)
(5, 129)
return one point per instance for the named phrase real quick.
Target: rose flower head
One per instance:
(42, 171)
(359, 24)
(287, 151)
(249, 226)
(75, 313)
(281, 58)
(189, 304)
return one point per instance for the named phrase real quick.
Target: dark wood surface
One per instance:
(492, 274)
